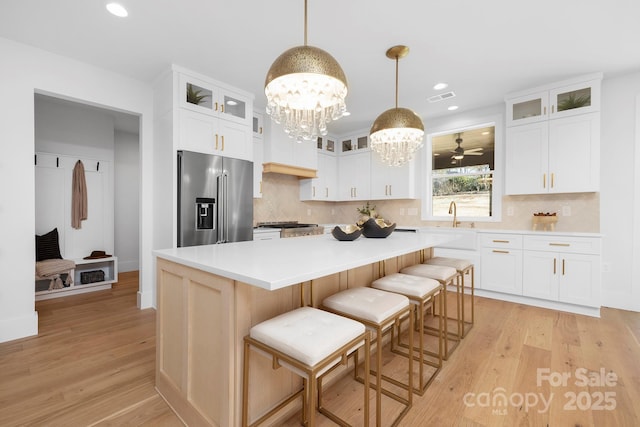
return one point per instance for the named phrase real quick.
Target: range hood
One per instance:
(300, 172)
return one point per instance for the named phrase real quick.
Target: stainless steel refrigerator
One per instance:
(215, 199)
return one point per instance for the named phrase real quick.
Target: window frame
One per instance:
(498, 170)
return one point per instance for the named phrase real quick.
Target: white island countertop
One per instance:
(275, 264)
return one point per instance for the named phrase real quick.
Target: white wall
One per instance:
(127, 180)
(25, 71)
(619, 115)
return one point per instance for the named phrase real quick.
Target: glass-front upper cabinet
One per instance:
(326, 143)
(208, 98)
(527, 109)
(561, 101)
(575, 99)
(198, 95)
(360, 142)
(233, 106)
(258, 129)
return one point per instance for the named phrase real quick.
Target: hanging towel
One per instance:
(78, 196)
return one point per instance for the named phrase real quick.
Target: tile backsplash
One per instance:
(577, 212)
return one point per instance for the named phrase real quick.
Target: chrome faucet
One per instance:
(453, 210)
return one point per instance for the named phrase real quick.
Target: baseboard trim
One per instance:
(19, 327)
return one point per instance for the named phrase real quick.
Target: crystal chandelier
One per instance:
(305, 89)
(398, 132)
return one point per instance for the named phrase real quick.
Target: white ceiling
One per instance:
(483, 49)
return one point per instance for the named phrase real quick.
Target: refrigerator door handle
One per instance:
(221, 216)
(225, 186)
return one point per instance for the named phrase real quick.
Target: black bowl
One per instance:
(350, 232)
(373, 229)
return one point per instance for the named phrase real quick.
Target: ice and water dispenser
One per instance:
(205, 213)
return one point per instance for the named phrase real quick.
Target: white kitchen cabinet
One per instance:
(286, 155)
(216, 99)
(392, 182)
(326, 144)
(208, 134)
(553, 141)
(266, 234)
(258, 125)
(257, 168)
(559, 156)
(501, 260)
(360, 141)
(570, 97)
(354, 176)
(325, 185)
(565, 269)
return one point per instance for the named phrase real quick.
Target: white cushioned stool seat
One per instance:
(457, 263)
(366, 303)
(420, 291)
(380, 311)
(406, 284)
(307, 334)
(437, 272)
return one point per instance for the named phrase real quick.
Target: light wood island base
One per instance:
(202, 319)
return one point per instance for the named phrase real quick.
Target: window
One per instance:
(462, 171)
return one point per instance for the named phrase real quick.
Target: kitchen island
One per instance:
(208, 297)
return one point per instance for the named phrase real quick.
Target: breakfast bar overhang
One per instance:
(208, 297)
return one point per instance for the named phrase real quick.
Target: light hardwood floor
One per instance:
(93, 365)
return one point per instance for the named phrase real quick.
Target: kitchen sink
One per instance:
(462, 238)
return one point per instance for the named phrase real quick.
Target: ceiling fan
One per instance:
(459, 152)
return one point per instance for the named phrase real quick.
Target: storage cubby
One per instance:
(107, 265)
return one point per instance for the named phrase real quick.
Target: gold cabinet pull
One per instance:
(544, 180)
(555, 261)
(563, 267)
(216, 106)
(552, 179)
(222, 137)
(260, 130)
(497, 251)
(260, 187)
(222, 108)
(500, 241)
(559, 244)
(216, 141)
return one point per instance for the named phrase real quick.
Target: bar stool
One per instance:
(446, 276)
(310, 343)
(464, 267)
(421, 291)
(380, 311)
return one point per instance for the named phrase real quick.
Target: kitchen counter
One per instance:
(209, 297)
(274, 264)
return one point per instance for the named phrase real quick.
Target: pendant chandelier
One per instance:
(398, 132)
(305, 89)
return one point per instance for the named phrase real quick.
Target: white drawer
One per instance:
(499, 240)
(564, 244)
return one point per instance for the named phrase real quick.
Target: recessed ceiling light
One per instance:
(452, 108)
(117, 9)
(440, 86)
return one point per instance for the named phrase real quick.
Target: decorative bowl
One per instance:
(377, 228)
(346, 233)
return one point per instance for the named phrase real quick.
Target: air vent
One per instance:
(441, 97)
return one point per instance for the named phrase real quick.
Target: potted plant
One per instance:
(194, 96)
